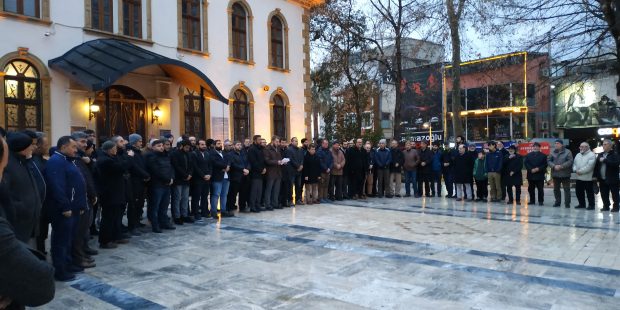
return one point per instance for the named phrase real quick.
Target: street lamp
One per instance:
(429, 125)
(93, 109)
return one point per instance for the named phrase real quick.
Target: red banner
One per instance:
(525, 148)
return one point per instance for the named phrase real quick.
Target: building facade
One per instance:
(504, 97)
(226, 69)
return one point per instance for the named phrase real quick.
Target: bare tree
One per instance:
(575, 32)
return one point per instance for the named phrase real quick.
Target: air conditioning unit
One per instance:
(544, 125)
(545, 72)
(545, 135)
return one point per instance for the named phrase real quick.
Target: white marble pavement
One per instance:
(400, 253)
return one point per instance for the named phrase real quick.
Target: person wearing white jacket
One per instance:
(583, 166)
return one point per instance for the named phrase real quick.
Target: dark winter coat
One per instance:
(65, 184)
(237, 162)
(326, 158)
(480, 170)
(397, 158)
(24, 278)
(312, 169)
(112, 170)
(426, 157)
(182, 165)
(383, 158)
(535, 160)
(138, 167)
(218, 165)
(357, 162)
(494, 161)
(272, 156)
(513, 165)
(611, 168)
(465, 172)
(296, 155)
(256, 158)
(159, 167)
(202, 167)
(24, 196)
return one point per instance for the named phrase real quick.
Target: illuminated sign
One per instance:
(609, 132)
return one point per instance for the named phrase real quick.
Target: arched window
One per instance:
(279, 117)
(239, 32)
(22, 96)
(194, 114)
(101, 14)
(277, 43)
(241, 116)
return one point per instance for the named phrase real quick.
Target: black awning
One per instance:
(98, 64)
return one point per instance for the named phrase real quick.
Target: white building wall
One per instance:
(69, 108)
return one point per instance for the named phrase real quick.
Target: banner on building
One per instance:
(422, 106)
(588, 103)
(525, 148)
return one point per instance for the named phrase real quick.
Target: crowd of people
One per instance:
(83, 191)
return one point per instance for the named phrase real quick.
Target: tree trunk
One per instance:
(453, 22)
(399, 77)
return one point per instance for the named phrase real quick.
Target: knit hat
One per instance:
(18, 141)
(168, 135)
(108, 145)
(560, 141)
(133, 138)
(514, 147)
(536, 144)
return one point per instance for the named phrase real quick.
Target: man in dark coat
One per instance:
(22, 186)
(425, 170)
(273, 163)
(81, 251)
(357, 165)
(162, 175)
(139, 177)
(239, 167)
(464, 174)
(201, 181)
(396, 168)
(606, 172)
(219, 180)
(66, 201)
(286, 185)
(112, 170)
(382, 162)
(26, 279)
(536, 165)
(256, 158)
(327, 162)
(295, 167)
(513, 176)
(183, 171)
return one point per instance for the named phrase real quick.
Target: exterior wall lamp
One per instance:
(93, 109)
(155, 114)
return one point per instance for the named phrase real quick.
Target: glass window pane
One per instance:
(10, 6)
(30, 8)
(10, 88)
(499, 96)
(476, 98)
(31, 114)
(30, 90)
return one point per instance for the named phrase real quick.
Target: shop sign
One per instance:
(609, 132)
(525, 148)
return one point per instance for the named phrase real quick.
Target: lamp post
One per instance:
(429, 125)
(93, 109)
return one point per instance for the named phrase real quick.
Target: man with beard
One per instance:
(273, 162)
(410, 164)
(239, 167)
(139, 177)
(200, 182)
(357, 165)
(396, 168)
(183, 171)
(257, 170)
(606, 172)
(162, 175)
(219, 181)
(295, 167)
